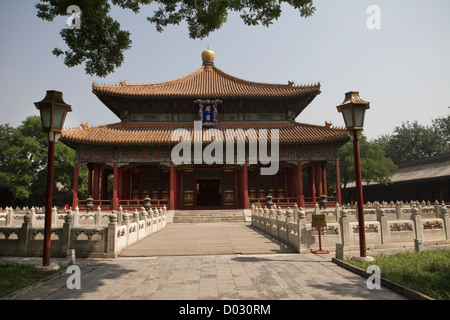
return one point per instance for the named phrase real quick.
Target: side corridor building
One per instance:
(137, 150)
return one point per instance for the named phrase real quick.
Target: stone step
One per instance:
(208, 216)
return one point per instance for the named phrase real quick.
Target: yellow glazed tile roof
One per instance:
(146, 133)
(206, 82)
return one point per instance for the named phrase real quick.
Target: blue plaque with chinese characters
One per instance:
(208, 112)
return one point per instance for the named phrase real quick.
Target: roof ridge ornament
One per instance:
(208, 57)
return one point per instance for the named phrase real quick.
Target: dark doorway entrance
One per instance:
(209, 193)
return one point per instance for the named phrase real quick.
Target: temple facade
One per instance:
(206, 140)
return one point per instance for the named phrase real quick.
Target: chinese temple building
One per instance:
(423, 180)
(137, 151)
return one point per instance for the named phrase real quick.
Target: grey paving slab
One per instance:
(214, 277)
(210, 262)
(206, 239)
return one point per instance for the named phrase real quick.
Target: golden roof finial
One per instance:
(208, 57)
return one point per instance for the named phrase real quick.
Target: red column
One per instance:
(312, 186)
(173, 181)
(125, 181)
(300, 184)
(240, 188)
(48, 201)
(244, 177)
(296, 186)
(324, 178)
(115, 199)
(104, 184)
(75, 186)
(318, 179)
(338, 183)
(95, 193)
(120, 184)
(292, 182)
(128, 184)
(359, 196)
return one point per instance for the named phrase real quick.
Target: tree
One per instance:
(100, 42)
(20, 158)
(375, 166)
(23, 166)
(413, 141)
(442, 127)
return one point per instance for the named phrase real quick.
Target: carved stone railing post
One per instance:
(120, 216)
(151, 217)
(156, 214)
(316, 209)
(437, 208)
(272, 213)
(98, 216)
(279, 218)
(415, 217)
(345, 227)
(266, 212)
(54, 216)
(280, 214)
(385, 232)
(398, 210)
(25, 233)
(301, 231)
(289, 219)
(111, 247)
(66, 233)
(295, 217)
(32, 217)
(125, 219)
(289, 215)
(76, 216)
(445, 217)
(418, 231)
(337, 212)
(136, 216)
(9, 217)
(144, 216)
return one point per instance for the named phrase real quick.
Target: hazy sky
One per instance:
(402, 69)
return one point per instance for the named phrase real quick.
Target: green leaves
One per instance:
(375, 166)
(413, 141)
(442, 128)
(23, 165)
(100, 42)
(204, 17)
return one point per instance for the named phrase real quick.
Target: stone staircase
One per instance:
(208, 216)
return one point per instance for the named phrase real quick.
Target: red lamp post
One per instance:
(353, 110)
(53, 112)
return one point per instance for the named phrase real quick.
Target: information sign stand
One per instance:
(319, 221)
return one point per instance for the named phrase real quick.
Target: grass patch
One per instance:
(15, 276)
(427, 272)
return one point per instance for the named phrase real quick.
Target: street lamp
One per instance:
(53, 112)
(353, 110)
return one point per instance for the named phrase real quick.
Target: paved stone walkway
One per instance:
(243, 277)
(204, 239)
(177, 264)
